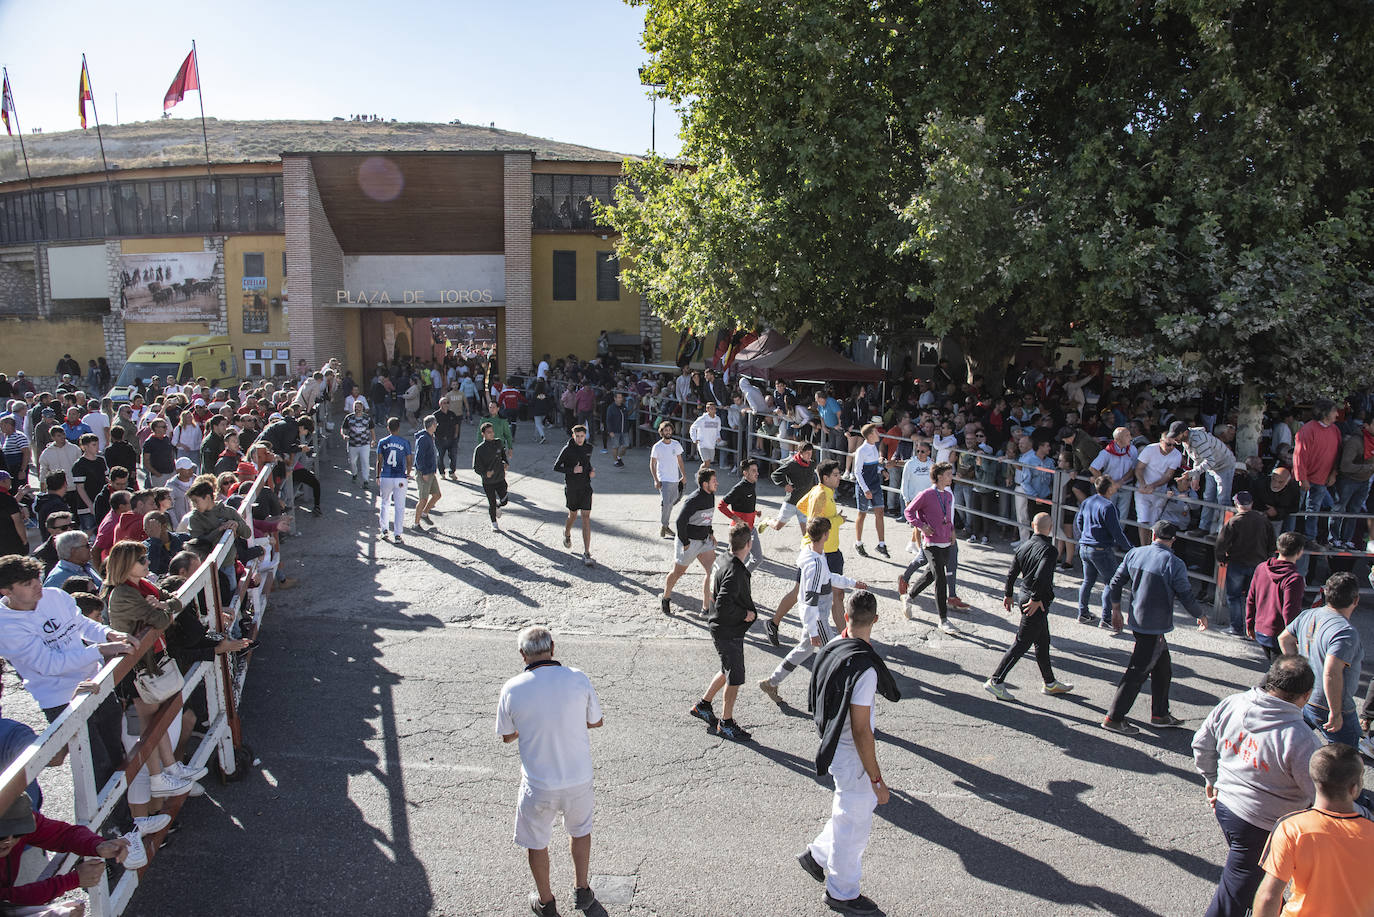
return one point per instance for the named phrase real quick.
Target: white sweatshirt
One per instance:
(46, 646)
(705, 431)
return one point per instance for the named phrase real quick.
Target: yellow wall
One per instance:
(562, 327)
(271, 248)
(35, 346)
(163, 244)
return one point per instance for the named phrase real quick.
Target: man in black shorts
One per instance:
(575, 463)
(732, 611)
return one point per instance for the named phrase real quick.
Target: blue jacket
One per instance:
(1098, 525)
(426, 453)
(1034, 483)
(1158, 576)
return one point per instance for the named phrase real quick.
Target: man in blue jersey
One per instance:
(394, 459)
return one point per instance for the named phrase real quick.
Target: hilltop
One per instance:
(177, 141)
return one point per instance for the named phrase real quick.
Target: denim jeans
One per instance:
(1097, 564)
(1216, 488)
(1238, 578)
(1317, 499)
(1348, 734)
(1350, 498)
(1240, 877)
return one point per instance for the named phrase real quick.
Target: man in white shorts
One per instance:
(1155, 468)
(705, 433)
(665, 465)
(549, 708)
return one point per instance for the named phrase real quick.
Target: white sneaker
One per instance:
(165, 784)
(151, 824)
(185, 771)
(948, 628)
(195, 789)
(906, 607)
(587, 560)
(911, 547)
(137, 856)
(495, 527)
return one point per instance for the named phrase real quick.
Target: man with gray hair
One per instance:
(73, 559)
(549, 707)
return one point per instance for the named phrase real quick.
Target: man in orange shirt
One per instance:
(1325, 851)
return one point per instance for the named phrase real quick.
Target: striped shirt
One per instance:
(1207, 453)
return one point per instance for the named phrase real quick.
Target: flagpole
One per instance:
(114, 207)
(33, 192)
(205, 134)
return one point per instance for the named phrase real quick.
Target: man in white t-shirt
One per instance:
(665, 465)
(705, 433)
(1155, 468)
(99, 422)
(543, 371)
(549, 708)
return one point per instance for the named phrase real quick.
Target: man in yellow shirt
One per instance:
(819, 503)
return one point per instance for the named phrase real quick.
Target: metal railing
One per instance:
(223, 681)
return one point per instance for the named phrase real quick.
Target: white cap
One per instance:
(184, 462)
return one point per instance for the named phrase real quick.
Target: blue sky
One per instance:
(564, 70)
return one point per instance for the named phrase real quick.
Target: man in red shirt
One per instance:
(1315, 454)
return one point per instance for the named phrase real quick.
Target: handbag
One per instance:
(161, 680)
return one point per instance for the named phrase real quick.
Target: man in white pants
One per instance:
(395, 456)
(814, 581)
(549, 707)
(359, 436)
(847, 678)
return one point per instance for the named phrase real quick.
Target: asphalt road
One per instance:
(383, 789)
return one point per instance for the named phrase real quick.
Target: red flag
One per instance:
(7, 106)
(188, 77)
(83, 94)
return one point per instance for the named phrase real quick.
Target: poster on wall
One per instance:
(255, 312)
(169, 287)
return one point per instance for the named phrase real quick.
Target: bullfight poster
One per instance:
(169, 287)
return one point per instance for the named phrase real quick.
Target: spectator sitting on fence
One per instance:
(21, 827)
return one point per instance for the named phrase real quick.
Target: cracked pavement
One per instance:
(383, 790)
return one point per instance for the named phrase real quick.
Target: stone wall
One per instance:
(519, 314)
(314, 256)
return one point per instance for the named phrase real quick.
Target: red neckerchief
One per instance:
(1112, 449)
(152, 592)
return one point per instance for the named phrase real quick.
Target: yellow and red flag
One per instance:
(187, 78)
(84, 93)
(7, 106)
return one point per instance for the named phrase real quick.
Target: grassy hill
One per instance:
(178, 142)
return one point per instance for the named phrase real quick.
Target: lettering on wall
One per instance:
(411, 297)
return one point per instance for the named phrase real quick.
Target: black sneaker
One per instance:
(702, 711)
(882, 549)
(583, 898)
(729, 729)
(863, 552)
(1167, 721)
(666, 604)
(543, 910)
(1124, 727)
(620, 463)
(1064, 565)
(771, 630)
(504, 502)
(400, 540)
(859, 905)
(1089, 619)
(808, 863)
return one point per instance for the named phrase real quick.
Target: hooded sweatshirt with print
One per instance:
(1254, 748)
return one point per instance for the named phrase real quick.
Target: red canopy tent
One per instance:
(772, 357)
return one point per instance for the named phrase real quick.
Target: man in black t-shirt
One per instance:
(575, 463)
(13, 538)
(88, 480)
(159, 456)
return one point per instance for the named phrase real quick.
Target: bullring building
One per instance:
(305, 240)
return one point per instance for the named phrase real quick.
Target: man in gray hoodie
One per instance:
(1253, 751)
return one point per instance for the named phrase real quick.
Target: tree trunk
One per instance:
(1249, 421)
(987, 352)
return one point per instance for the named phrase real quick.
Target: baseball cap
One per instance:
(4, 476)
(1177, 428)
(18, 819)
(1164, 529)
(20, 373)
(1243, 498)
(184, 462)
(1064, 433)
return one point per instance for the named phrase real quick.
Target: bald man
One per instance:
(1117, 461)
(1034, 564)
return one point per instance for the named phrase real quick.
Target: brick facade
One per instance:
(519, 317)
(314, 263)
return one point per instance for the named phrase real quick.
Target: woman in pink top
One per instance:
(932, 511)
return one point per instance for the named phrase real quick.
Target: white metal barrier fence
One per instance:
(223, 679)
